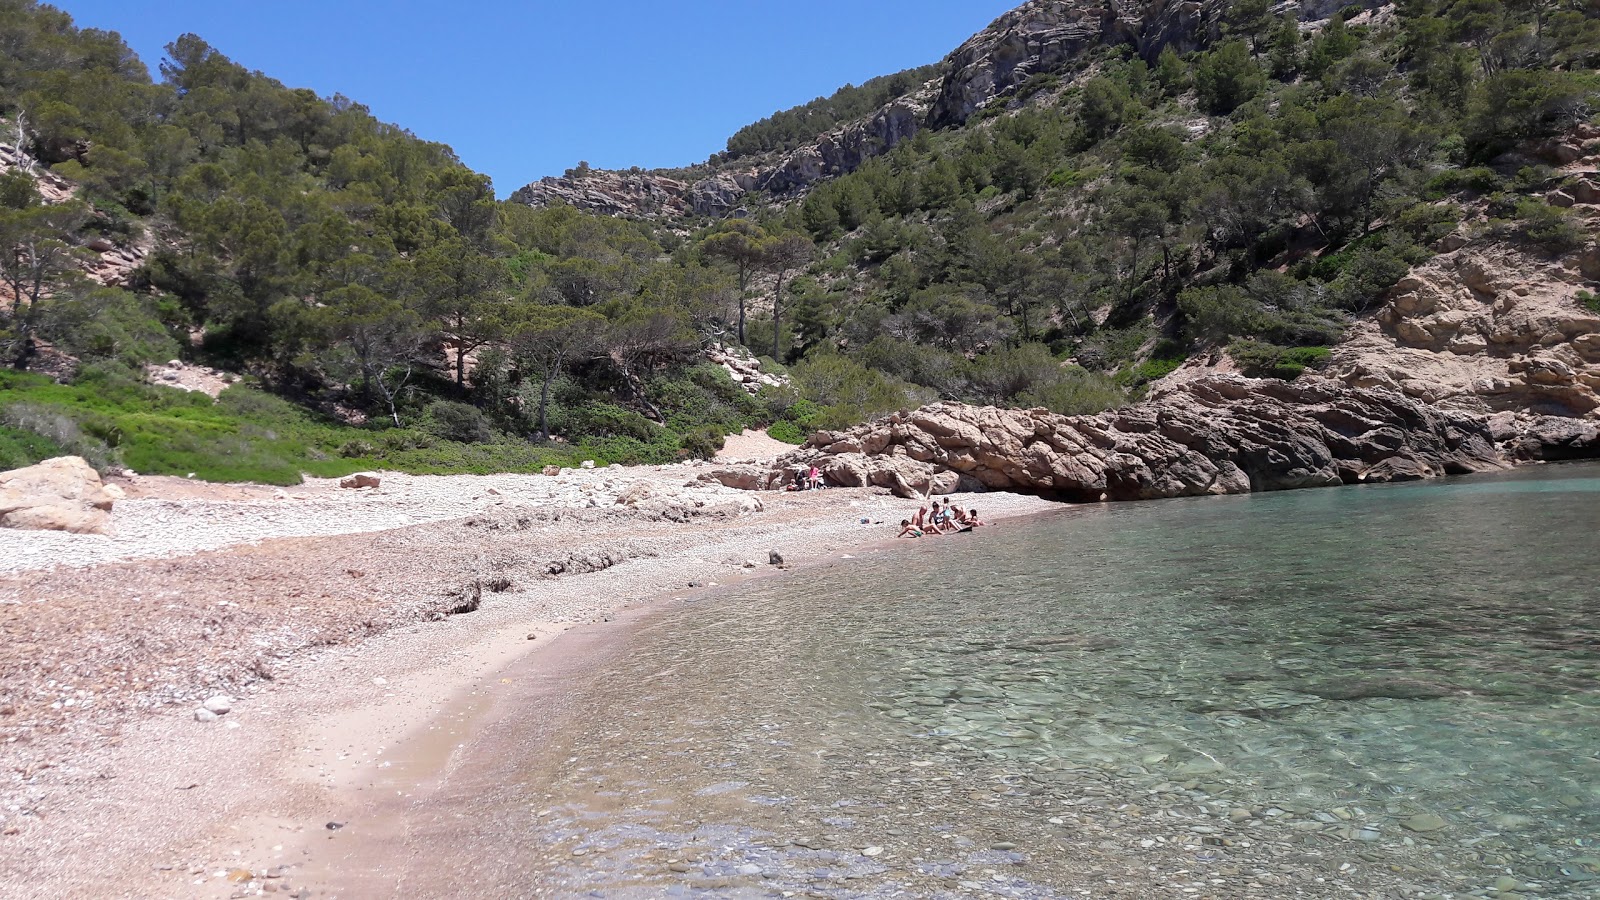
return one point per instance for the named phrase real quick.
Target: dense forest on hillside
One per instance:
(330, 257)
(1128, 215)
(1069, 244)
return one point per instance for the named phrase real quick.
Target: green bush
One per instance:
(1076, 393)
(1550, 227)
(1148, 371)
(786, 431)
(19, 447)
(1479, 180)
(458, 422)
(704, 442)
(1590, 301)
(55, 433)
(1263, 360)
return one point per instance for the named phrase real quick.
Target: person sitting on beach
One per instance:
(814, 479)
(943, 521)
(972, 518)
(799, 482)
(908, 530)
(920, 519)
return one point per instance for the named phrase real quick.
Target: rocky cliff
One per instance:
(1041, 36)
(1216, 435)
(631, 194)
(1494, 325)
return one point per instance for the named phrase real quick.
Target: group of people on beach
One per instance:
(808, 481)
(943, 518)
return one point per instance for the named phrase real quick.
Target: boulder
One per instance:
(361, 480)
(63, 494)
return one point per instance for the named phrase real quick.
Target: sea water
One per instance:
(1375, 691)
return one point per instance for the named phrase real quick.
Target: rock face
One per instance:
(843, 150)
(1038, 37)
(630, 194)
(1487, 327)
(63, 494)
(743, 367)
(1042, 36)
(1215, 435)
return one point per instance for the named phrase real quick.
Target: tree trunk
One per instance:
(544, 407)
(777, 304)
(461, 355)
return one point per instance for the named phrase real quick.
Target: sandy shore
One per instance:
(349, 673)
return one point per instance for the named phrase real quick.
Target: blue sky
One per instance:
(523, 90)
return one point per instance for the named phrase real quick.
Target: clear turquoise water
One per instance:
(1393, 689)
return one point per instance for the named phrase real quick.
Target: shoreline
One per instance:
(251, 795)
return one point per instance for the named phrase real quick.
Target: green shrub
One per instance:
(1076, 393)
(19, 447)
(1590, 301)
(1148, 371)
(58, 433)
(1479, 180)
(1550, 227)
(457, 422)
(1216, 313)
(1263, 360)
(608, 420)
(786, 431)
(704, 442)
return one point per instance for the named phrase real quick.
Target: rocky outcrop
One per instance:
(62, 494)
(721, 194)
(52, 187)
(1044, 36)
(744, 368)
(1489, 326)
(1214, 435)
(843, 150)
(627, 194)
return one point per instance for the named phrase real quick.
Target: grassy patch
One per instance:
(245, 435)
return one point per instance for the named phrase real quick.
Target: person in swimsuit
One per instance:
(908, 530)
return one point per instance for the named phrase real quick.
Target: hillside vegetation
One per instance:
(1066, 246)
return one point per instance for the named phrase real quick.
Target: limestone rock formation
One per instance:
(721, 194)
(743, 367)
(1041, 36)
(62, 494)
(628, 194)
(1214, 435)
(843, 150)
(1487, 327)
(361, 480)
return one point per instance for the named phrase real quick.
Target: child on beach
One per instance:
(908, 530)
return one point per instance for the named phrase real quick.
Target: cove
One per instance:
(1377, 691)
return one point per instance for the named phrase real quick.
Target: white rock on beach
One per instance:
(220, 705)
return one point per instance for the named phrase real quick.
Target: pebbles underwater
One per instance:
(1399, 696)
